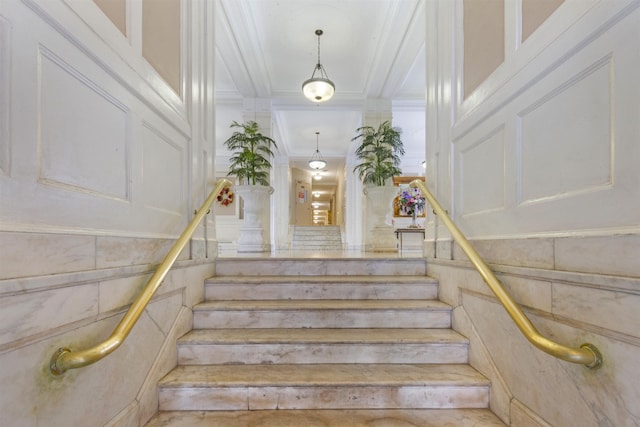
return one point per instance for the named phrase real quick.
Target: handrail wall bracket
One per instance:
(587, 355)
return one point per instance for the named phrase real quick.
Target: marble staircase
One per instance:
(323, 342)
(317, 238)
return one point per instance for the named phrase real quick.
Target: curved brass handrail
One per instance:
(587, 354)
(64, 359)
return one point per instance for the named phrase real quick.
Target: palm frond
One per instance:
(252, 151)
(379, 151)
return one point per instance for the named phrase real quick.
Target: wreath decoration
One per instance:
(225, 198)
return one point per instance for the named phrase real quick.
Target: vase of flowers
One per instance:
(411, 202)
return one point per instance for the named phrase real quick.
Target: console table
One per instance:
(400, 231)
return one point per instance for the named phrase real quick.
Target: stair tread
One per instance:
(329, 418)
(325, 279)
(326, 304)
(323, 375)
(323, 336)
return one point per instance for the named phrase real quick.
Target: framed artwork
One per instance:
(408, 199)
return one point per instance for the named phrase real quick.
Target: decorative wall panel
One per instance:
(163, 170)
(482, 171)
(83, 140)
(567, 142)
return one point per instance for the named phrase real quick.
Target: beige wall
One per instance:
(483, 40)
(484, 34)
(116, 10)
(535, 12)
(161, 38)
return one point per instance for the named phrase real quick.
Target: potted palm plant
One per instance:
(250, 164)
(379, 153)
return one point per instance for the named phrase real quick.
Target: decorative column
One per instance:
(354, 218)
(280, 179)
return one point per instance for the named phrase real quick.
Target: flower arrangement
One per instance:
(225, 198)
(410, 201)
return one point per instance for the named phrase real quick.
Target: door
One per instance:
(303, 203)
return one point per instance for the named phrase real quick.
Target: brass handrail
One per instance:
(64, 359)
(587, 354)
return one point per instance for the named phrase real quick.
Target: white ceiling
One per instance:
(370, 49)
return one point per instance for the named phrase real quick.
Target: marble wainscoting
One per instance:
(71, 290)
(572, 296)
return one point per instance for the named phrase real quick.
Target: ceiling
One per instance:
(370, 49)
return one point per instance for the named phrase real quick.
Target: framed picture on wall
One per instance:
(408, 199)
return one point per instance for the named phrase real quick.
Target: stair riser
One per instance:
(305, 234)
(317, 248)
(245, 397)
(199, 354)
(220, 292)
(321, 319)
(308, 267)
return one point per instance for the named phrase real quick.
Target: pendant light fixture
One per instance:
(316, 161)
(320, 88)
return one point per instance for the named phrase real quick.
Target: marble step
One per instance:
(319, 248)
(313, 247)
(317, 236)
(320, 287)
(257, 266)
(255, 346)
(330, 418)
(322, 314)
(322, 386)
(316, 227)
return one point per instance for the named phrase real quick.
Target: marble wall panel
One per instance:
(164, 311)
(521, 416)
(480, 359)
(560, 392)
(123, 251)
(34, 254)
(513, 354)
(194, 292)
(127, 418)
(35, 313)
(596, 306)
(536, 253)
(119, 292)
(86, 396)
(617, 255)
(528, 292)
(167, 359)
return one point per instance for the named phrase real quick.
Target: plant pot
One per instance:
(382, 235)
(256, 200)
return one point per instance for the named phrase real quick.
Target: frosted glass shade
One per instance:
(318, 89)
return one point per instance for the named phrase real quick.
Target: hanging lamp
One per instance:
(317, 162)
(320, 88)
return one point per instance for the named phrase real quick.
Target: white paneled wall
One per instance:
(101, 167)
(551, 133)
(539, 167)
